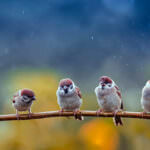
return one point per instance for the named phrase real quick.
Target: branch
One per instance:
(49, 114)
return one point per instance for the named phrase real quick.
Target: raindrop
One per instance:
(23, 12)
(6, 51)
(92, 37)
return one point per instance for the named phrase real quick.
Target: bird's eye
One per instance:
(71, 86)
(109, 85)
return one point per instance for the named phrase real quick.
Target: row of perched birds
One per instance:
(69, 98)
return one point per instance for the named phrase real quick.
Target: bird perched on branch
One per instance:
(69, 97)
(109, 98)
(145, 99)
(22, 101)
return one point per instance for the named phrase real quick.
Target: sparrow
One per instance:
(22, 101)
(109, 98)
(145, 99)
(69, 97)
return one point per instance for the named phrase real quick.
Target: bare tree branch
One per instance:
(48, 114)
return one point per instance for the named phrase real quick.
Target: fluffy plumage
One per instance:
(145, 99)
(109, 97)
(22, 100)
(69, 97)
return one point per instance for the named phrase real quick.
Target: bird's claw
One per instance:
(98, 112)
(17, 116)
(115, 112)
(61, 112)
(77, 112)
(29, 115)
(143, 113)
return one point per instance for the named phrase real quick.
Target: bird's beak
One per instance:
(33, 98)
(103, 86)
(66, 89)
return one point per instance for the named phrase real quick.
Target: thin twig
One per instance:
(48, 114)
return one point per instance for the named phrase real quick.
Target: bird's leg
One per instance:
(76, 112)
(115, 112)
(30, 113)
(17, 114)
(61, 111)
(99, 111)
(143, 113)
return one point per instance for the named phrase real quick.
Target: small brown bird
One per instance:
(22, 101)
(69, 97)
(109, 98)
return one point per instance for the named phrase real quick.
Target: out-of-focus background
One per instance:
(44, 41)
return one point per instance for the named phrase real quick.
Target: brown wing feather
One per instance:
(78, 92)
(119, 94)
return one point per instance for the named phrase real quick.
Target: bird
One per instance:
(22, 101)
(109, 98)
(69, 97)
(145, 98)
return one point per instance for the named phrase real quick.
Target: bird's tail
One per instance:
(118, 121)
(79, 117)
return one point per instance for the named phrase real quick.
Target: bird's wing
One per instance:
(119, 94)
(78, 92)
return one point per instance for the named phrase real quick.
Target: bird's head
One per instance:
(106, 82)
(66, 87)
(27, 95)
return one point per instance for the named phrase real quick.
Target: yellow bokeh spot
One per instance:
(98, 134)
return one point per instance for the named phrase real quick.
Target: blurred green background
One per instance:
(44, 41)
